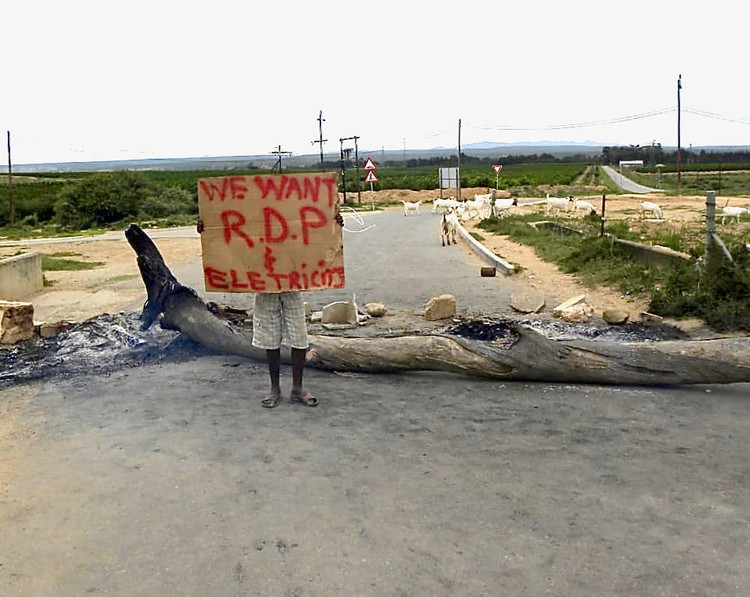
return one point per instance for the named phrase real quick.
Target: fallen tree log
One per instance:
(508, 351)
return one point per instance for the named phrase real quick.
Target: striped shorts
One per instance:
(279, 318)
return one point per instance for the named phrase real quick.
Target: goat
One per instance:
(444, 205)
(411, 207)
(650, 208)
(501, 207)
(474, 206)
(448, 226)
(579, 205)
(556, 204)
(730, 211)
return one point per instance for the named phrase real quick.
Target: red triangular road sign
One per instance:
(370, 165)
(497, 168)
(371, 177)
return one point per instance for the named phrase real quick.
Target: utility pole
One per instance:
(279, 153)
(356, 165)
(343, 168)
(679, 145)
(458, 178)
(11, 212)
(321, 140)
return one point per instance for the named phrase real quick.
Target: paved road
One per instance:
(398, 260)
(626, 184)
(389, 258)
(169, 479)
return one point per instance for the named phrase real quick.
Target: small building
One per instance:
(630, 163)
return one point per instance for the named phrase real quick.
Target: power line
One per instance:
(573, 125)
(715, 116)
(608, 121)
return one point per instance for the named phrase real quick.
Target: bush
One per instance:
(168, 201)
(101, 200)
(718, 292)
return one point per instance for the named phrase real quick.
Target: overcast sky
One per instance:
(84, 80)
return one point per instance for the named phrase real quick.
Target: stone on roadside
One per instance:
(570, 302)
(574, 310)
(375, 309)
(651, 318)
(50, 330)
(527, 301)
(615, 316)
(440, 307)
(16, 321)
(339, 312)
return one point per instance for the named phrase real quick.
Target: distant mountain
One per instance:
(483, 149)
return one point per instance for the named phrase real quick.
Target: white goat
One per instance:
(476, 207)
(647, 207)
(411, 207)
(579, 205)
(730, 211)
(501, 207)
(443, 205)
(556, 204)
(449, 226)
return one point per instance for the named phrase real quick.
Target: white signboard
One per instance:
(448, 178)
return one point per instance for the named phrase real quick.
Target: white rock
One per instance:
(440, 307)
(16, 321)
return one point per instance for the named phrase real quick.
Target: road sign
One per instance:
(371, 177)
(370, 165)
(497, 168)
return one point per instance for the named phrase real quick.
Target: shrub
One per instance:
(718, 292)
(167, 201)
(101, 200)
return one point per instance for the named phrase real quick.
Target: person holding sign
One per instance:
(275, 236)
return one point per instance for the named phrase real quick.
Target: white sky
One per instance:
(96, 80)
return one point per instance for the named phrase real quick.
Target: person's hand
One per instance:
(340, 219)
(200, 226)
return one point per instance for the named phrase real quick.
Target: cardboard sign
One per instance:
(271, 233)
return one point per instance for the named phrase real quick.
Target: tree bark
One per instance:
(514, 352)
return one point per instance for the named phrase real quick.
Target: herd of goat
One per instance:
(482, 206)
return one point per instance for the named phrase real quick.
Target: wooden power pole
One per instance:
(458, 178)
(279, 153)
(679, 145)
(11, 211)
(321, 140)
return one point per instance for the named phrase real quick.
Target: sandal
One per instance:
(304, 398)
(271, 401)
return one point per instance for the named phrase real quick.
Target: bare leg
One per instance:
(298, 366)
(273, 358)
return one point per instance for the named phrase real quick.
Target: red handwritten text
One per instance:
(330, 277)
(232, 221)
(232, 187)
(275, 226)
(285, 187)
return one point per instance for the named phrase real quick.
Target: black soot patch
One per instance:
(485, 330)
